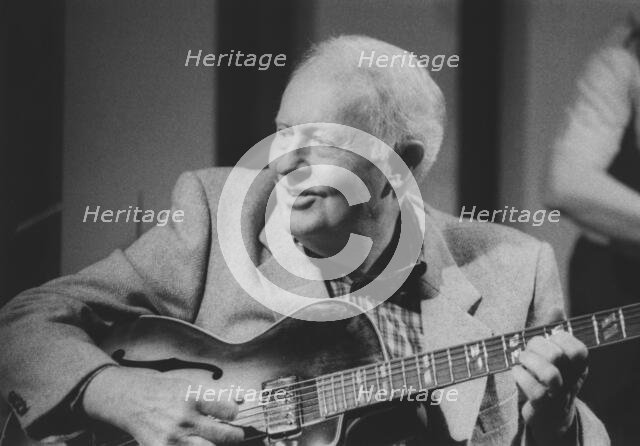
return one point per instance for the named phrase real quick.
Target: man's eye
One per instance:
(323, 141)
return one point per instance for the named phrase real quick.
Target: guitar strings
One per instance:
(631, 323)
(459, 367)
(313, 404)
(492, 346)
(393, 367)
(456, 360)
(309, 408)
(580, 323)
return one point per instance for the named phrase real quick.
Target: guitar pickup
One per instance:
(281, 408)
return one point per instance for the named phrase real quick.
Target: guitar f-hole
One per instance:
(165, 365)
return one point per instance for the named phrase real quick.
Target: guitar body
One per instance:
(290, 348)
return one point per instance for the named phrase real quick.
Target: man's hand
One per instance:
(152, 408)
(550, 375)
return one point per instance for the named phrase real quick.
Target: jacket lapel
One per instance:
(447, 315)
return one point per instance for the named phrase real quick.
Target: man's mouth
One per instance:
(304, 201)
(310, 192)
(305, 198)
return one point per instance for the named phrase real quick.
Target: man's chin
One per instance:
(305, 225)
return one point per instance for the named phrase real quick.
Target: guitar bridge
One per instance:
(282, 410)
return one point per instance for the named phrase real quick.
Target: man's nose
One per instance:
(293, 164)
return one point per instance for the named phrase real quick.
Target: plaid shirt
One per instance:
(398, 318)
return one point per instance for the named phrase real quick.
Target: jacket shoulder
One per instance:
(481, 236)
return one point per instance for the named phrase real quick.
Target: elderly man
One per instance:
(468, 281)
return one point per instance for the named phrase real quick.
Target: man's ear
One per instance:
(411, 151)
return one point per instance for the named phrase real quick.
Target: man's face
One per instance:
(321, 210)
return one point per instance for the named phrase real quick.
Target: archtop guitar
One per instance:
(306, 383)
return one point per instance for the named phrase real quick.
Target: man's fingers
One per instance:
(545, 348)
(572, 348)
(541, 369)
(218, 433)
(223, 410)
(196, 441)
(530, 386)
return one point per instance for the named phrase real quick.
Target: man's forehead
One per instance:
(315, 98)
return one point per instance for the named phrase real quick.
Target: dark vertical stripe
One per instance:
(34, 62)
(480, 66)
(4, 156)
(248, 98)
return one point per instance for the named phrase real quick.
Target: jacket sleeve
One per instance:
(547, 307)
(48, 333)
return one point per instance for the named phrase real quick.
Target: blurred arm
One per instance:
(579, 183)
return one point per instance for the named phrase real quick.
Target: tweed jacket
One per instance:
(481, 279)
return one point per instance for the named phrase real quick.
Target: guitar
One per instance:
(313, 382)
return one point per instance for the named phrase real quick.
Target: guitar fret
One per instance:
(450, 365)
(622, 323)
(492, 352)
(390, 375)
(515, 346)
(365, 377)
(333, 394)
(595, 328)
(504, 350)
(355, 389)
(569, 327)
(344, 392)
(419, 372)
(404, 375)
(433, 368)
(320, 386)
(361, 380)
(466, 358)
(486, 356)
(377, 378)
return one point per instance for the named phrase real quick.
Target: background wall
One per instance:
(135, 117)
(111, 117)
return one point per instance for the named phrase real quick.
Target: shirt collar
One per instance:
(418, 268)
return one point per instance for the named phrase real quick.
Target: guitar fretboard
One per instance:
(339, 392)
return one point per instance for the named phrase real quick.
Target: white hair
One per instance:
(397, 103)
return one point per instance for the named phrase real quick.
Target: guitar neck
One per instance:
(363, 386)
